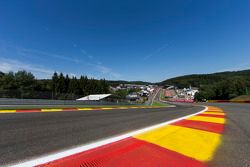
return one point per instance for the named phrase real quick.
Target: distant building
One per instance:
(132, 97)
(170, 87)
(94, 97)
(191, 92)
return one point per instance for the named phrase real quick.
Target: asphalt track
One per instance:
(30, 135)
(235, 148)
(25, 136)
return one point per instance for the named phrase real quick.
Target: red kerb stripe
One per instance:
(206, 126)
(127, 152)
(212, 115)
(31, 110)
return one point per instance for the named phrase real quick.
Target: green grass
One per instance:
(242, 97)
(159, 104)
(161, 95)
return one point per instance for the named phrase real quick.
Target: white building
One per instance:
(94, 97)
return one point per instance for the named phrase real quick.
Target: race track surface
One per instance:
(28, 135)
(25, 136)
(235, 148)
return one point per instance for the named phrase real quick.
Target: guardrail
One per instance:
(56, 102)
(229, 101)
(181, 100)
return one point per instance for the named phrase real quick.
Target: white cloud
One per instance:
(52, 55)
(92, 68)
(86, 54)
(72, 75)
(83, 52)
(238, 67)
(7, 65)
(105, 71)
(108, 72)
(90, 56)
(156, 52)
(10, 49)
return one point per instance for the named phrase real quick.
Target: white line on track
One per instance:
(62, 154)
(154, 97)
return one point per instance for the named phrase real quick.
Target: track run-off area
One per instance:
(181, 136)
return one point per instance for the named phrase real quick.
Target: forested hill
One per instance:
(23, 84)
(222, 85)
(198, 80)
(118, 82)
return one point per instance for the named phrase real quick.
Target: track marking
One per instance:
(212, 115)
(7, 111)
(125, 153)
(215, 113)
(76, 109)
(193, 143)
(59, 155)
(108, 108)
(207, 126)
(52, 110)
(84, 109)
(207, 119)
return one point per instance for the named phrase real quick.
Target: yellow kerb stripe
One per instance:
(207, 119)
(7, 111)
(85, 109)
(123, 107)
(51, 110)
(216, 110)
(107, 108)
(193, 143)
(134, 107)
(215, 113)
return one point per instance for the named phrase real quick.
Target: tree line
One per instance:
(23, 84)
(224, 90)
(216, 86)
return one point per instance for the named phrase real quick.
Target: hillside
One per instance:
(222, 85)
(242, 97)
(198, 80)
(114, 83)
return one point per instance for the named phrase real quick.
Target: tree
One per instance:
(54, 83)
(61, 83)
(67, 80)
(26, 83)
(73, 87)
(7, 81)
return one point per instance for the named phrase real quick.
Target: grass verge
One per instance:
(159, 104)
(243, 97)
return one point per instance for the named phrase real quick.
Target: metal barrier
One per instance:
(229, 101)
(7, 101)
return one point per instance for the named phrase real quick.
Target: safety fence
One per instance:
(8, 101)
(229, 101)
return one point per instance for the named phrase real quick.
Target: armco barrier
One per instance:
(4, 101)
(229, 101)
(74, 109)
(181, 100)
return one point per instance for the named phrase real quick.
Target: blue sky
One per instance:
(148, 40)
